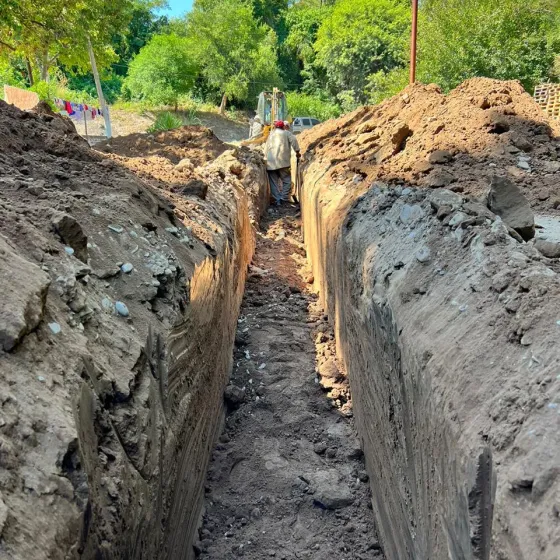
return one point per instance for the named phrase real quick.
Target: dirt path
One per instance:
(287, 479)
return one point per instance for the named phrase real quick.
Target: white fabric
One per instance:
(278, 149)
(256, 129)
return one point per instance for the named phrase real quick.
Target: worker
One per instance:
(256, 128)
(278, 152)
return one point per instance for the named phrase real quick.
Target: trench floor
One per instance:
(287, 478)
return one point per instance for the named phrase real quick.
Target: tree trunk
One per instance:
(29, 71)
(223, 104)
(43, 63)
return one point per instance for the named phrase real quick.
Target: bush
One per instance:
(166, 121)
(383, 85)
(305, 105)
(47, 91)
(162, 71)
(111, 84)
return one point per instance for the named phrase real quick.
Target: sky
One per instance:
(177, 7)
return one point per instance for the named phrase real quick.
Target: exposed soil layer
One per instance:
(120, 301)
(169, 158)
(287, 478)
(457, 141)
(446, 320)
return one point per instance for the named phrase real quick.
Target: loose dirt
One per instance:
(126, 123)
(287, 479)
(456, 141)
(120, 299)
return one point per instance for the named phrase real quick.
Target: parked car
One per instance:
(303, 123)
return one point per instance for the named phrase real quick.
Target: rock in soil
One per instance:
(507, 201)
(23, 286)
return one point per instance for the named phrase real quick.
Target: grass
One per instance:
(169, 121)
(165, 121)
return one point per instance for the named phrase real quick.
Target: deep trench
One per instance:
(287, 477)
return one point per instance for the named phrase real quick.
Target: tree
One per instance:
(510, 39)
(304, 20)
(57, 31)
(163, 70)
(360, 38)
(144, 24)
(238, 55)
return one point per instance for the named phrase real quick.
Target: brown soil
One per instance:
(287, 479)
(446, 320)
(98, 445)
(167, 159)
(457, 141)
(126, 123)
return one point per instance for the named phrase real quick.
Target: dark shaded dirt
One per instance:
(118, 311)
(287, 479)
(457, 141)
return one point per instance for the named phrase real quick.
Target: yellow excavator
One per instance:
(272, 106)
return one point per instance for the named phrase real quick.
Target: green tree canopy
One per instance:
(57, 31)
(238, 55)
(163, 70)
(509, 39)
(360, 38)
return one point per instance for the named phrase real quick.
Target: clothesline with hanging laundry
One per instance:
(77, 111)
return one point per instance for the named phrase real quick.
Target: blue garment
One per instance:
(280, 184)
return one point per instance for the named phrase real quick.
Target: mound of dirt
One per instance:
(167, 159)
(457, 141)
(120, 301)
(447, 321)
(197, 143)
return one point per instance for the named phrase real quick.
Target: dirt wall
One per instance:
(448, 328)
(116, 340)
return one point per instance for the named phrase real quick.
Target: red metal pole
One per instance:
(413, 41)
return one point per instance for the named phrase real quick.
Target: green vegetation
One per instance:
(329, 55)
(166, 121)
(510, 39)
(162, 71)
(237, 54)
(305, 105)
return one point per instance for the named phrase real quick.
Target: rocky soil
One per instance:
(287, 478)
(121, 294)
(419, 222)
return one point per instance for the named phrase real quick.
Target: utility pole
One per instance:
(104, 108)
(413, 41)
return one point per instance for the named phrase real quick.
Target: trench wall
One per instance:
(112, 377)
(178, 388)
(447, 400)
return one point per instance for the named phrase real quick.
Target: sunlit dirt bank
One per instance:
(446, 313)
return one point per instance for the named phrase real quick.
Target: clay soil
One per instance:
(287, 478)
(456, 141)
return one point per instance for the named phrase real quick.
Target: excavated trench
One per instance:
(394, 376)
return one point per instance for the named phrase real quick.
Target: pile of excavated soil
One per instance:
(446, 313)
(118, 312)
(166, 158)
(197, 143)
(457, 141)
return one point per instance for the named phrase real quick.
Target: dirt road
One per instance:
(287, 478)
